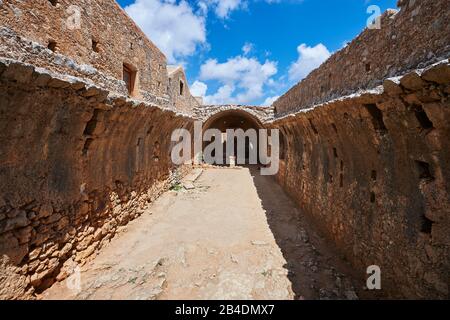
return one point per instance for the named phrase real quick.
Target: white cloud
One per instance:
(309, 58)
(203, 7)
(222, 96)
(247, 48)
(243, 79)
(198, 89)
(223, 8)
(174, 27)
(270, 100)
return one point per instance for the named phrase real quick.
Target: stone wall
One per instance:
(106, 39)
(79, 158)
(417, 35)
(372, 171)
(206, 112)
(184, 102)
(76, 163)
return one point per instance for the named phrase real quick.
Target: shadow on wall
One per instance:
(315, 268)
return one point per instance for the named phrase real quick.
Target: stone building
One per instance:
(88, 103)
(179, 93)
(95, 40)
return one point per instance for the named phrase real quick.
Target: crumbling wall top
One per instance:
(263, 114)
(96, 33)
(416, 36)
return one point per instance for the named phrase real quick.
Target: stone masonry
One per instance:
(262, 114)
(96, 49)
(179, 92)
(73, 172)
(372, 172)
(87, 114)
(416, 36)
(81, 155)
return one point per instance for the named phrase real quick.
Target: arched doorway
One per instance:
(235, 119)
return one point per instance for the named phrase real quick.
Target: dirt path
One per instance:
(232, 235)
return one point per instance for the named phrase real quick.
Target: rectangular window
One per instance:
(139, 154)
(95, 46)
(181, 88)
(129, 77)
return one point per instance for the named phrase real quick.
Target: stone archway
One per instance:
(235, 119)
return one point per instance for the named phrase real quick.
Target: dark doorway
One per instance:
(235, 119)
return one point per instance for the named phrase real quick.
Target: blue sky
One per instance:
(249, 51)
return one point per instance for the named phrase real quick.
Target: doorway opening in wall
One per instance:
(235, 120)
(95, 46)
(52, 45)
(181, 87)
(129, 77)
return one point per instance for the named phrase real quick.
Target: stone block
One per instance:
(18, 72)
(45, 211)
(392, 88)
(19, 221)
(439, 74)
(412, 81)
(58, 83)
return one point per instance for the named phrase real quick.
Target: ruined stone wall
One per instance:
(76, 163)
(183, 102)
(418, 34)
(106, 39)
(372, 171)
